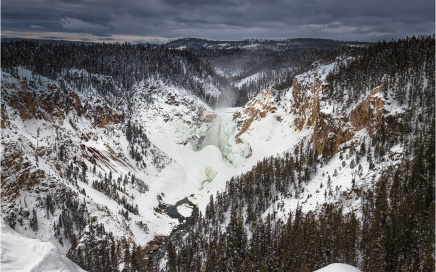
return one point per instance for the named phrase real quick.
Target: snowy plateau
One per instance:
(84, 169)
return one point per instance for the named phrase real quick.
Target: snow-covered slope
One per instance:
(23, 254)
(274, 122)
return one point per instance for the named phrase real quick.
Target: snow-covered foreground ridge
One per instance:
(20, 253)
(338, 267)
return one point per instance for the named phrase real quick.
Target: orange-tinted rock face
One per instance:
(204, 116)
(74, 102)
(329, 130)
(305, 104)
(258, 107)
(369, 113)
(103, 115)
(60, 103)
(328, 134)
(4, 119)
(55, 104)
(17, 172)
(24, 103)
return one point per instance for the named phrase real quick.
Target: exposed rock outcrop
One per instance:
(330, 128)
(305, 102)
(369, 113)
(4, 118)
(258, 107)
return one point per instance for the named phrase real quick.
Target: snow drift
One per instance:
(19, 253)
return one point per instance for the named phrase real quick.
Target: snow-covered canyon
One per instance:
(105, 169)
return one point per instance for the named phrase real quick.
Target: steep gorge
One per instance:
(113, 164)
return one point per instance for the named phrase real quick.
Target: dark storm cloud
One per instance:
(221, 19)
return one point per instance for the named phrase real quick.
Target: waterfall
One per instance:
(221, 134)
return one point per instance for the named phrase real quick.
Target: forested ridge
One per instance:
(394, 233)
(129, 64)
(126, 63)
(273, 67)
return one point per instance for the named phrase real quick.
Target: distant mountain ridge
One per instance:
(44, 41)
(246, 44)
(262, 44)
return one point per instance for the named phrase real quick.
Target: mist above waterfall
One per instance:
(229, 97)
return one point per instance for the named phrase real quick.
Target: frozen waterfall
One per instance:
(221, 134)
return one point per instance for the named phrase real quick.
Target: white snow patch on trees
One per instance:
(338, 267)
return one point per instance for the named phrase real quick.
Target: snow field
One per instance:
(19, 253)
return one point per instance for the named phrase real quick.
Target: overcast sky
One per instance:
(164, 20)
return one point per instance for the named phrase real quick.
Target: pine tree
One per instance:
(172, 257)
(34, 221)
(376, 249)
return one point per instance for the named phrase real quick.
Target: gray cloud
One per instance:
(160, 20)
(79, 25)
(36, 26)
